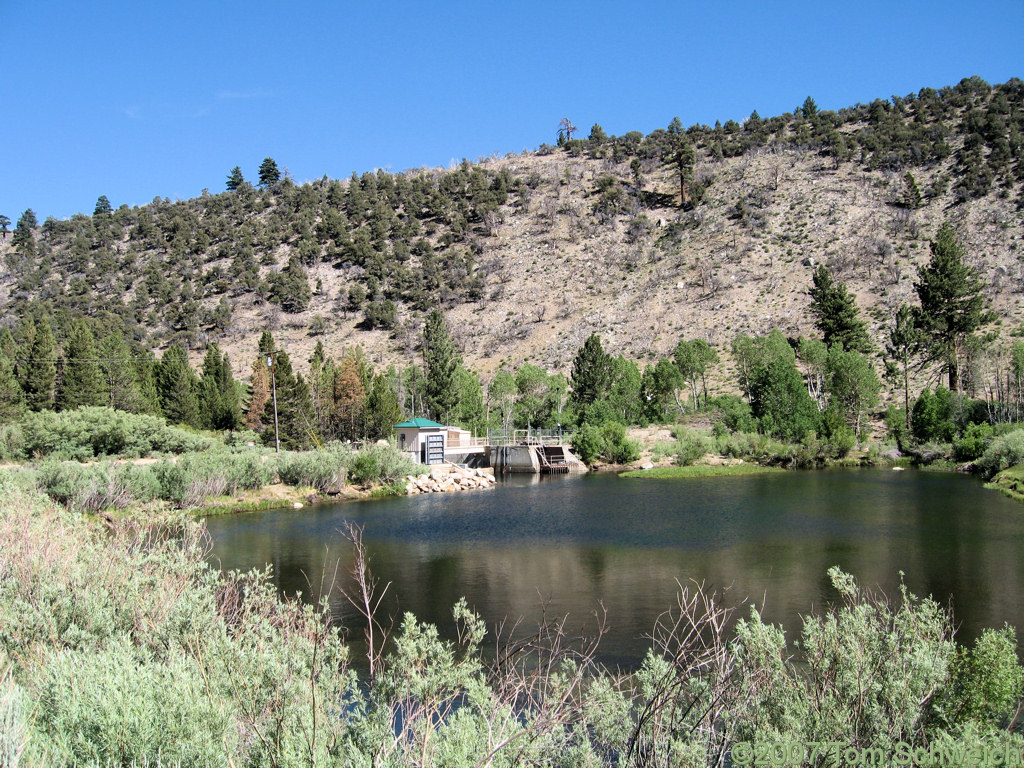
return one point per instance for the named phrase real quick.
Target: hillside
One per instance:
(528, 254)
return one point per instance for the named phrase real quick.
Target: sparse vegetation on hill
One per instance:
(809, 222)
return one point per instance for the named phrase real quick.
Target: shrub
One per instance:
(617, 448)
(839, 437)
(1005, 451)
(12, 442)
(733, 415)
(587, 443)
(987, 681)
(324, 470)
(896, 423)
(607, 443)
(973, 442)
(195, 477)
(90, 488)
(89, 433)
(119, 706)
(931, 417)
(380, 464)
(690, 446)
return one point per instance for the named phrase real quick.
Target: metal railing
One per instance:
(527, 437)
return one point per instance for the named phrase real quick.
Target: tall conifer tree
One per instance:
(39, 377)
(836, 314)
(176, 384)
(82, 383)
(952, 303)
(442, 361)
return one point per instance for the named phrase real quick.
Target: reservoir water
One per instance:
(569, 545)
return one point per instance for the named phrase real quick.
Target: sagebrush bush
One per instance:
(92, 487)
(380, 464)
(690, 446)
(194, 477)
(324, 470)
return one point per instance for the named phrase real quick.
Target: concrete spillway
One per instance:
(533, 458)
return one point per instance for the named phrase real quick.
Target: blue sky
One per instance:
(136, 100)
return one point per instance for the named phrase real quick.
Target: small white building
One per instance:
(424, 440)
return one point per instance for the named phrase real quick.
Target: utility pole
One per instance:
(273, 387)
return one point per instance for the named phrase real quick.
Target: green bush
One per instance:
(1003, 452)
(987, 681)
(93, 487)
(195, 477)
(690, 446)
(606, 443)
(839, 437)
(587, 443)
(324, 470)
(753, 445)
(89, 433)
(380, 464)
(618, 449)
(732, 415)
(121, 706)
(12, 442)
(896, 423)
(973, 442)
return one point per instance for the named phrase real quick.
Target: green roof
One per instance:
(419, 423)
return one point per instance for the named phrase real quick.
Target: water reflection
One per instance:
(579, 542)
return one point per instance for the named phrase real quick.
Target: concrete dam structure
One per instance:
(533, 453)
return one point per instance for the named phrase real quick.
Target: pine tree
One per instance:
(24, 238)
(259, 394)
(103, 207)
(952, 303)
(680, 154)
(217, 395)
(12, 399)
(146, 366)
(591, 373)
(321, 388)
(470, 412)
(231, 411)
(82, 383)
(120, 385)
(441, 361)
(290, 287)
(269, 173)
(382, 409)
(348, 398)
(235, 179)
(295, 418)
(39, 376)
(177, 388)
(836, 314)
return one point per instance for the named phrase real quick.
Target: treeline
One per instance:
(403, 243)
(820, 391)
(824, 390)
(174, 268)
(904, 132)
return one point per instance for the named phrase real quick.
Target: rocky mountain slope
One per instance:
(528, 254)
